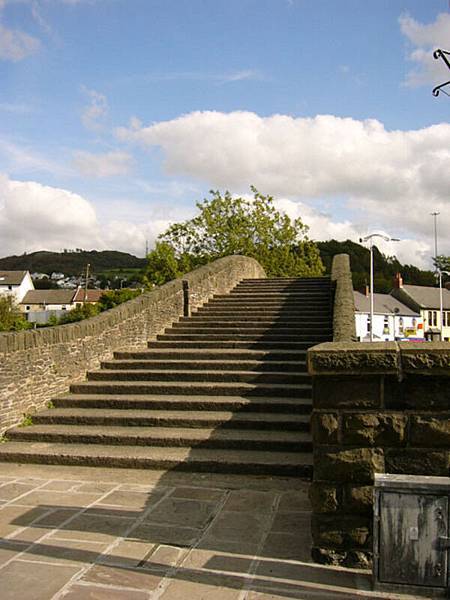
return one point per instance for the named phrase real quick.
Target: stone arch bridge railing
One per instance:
(36, 365)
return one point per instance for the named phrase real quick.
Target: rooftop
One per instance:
(383, 304)
(427, 296)
(12, 277)
(48, 297)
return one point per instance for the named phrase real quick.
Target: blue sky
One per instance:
(116, 116)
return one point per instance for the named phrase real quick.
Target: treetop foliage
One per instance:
(226, 225)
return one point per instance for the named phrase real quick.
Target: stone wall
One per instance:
(377, 408)
(344, 327)
(36, 365)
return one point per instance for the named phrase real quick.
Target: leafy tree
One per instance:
(112, 298)
(442, 262)
(79, 313)
(253, 227)
(11, 319)
(162, 264)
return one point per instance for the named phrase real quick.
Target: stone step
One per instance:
(224, 321)
(173, 418)
(193, 388)
(276, 441)
(312, 338)
(246, 345)
(242, 327)
(265, 302)
(197, 365)
(287, 464)
(188, 403)
(179, 376)
(203, 354)
(274, 295)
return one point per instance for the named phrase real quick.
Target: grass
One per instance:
(50, 404)
(3, 439)
(27, 421)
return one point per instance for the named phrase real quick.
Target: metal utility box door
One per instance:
(411, 532)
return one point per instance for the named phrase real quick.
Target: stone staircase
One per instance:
(225, 390)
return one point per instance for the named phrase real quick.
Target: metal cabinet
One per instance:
(411, 534)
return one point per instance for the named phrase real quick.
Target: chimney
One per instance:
(364, 290)
(398, 281)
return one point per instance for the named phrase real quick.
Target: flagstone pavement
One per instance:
(105, 534)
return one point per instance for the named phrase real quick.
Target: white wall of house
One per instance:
(432, 320)
(18, 291)
(388, 327)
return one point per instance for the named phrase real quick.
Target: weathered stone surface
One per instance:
(427, 358)
(325, 427)
(416, 461)
(324, 497)
(425, 392)
(356, 465)
(430, 430)
(341, 531)
(346, 358)
(328, 556)
(347, 392)
(374, 429)
(344, 328)
(358, 499)
(41, 356)
(358, 559)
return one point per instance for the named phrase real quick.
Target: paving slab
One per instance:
(164, 536)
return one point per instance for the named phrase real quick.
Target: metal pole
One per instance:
(86, 283)
(441, 304)
(371, 290)
(435, 214)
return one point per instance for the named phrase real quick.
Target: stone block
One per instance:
(416, 461)
(353, 358)
(355, 465)
(374, 429)
(341, 531)
(430, 430)
(324, 497)
(325, 427)
(347, 392)
(358, 559)
(328, 556)
(358, 499)
(425, 392)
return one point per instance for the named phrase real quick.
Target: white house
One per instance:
(15, 284)
(392, 319)
(426, 301)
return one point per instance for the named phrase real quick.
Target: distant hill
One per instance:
(71, 263)
(385, 267)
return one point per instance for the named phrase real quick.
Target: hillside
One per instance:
(385, 267)
(72, 263)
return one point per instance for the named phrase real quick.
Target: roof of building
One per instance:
(92, 295)
(48, 297)
(12, 277)
(382, 304)
(427, 296)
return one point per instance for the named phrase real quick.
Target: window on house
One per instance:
(27, 308)
(432, 318)
(446, 318)
(386, 326)
(9, 287)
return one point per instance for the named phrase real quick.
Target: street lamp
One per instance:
(441, 301)
(370, 237)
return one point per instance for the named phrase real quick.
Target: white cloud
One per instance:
(103, 165)
(16, 45)
(390, 179)
(36, 217)
(95, 112)
(424, 40)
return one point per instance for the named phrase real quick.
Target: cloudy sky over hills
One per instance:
(117, 115)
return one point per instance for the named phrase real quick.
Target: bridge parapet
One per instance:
(36, 365)
(380, 407)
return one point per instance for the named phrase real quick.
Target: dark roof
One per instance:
(48, 297)
(92, 295)
(12, 277)
(382, 304)
(427, 296)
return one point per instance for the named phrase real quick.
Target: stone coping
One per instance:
(390, 358)
(344, 328)
(22, 340)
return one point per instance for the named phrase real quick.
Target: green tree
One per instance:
(11, 319)
(112, 298)
(252, 227)
(79, 313)
(162, 265)
(442, 262)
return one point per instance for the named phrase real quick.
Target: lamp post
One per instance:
(370, 237)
